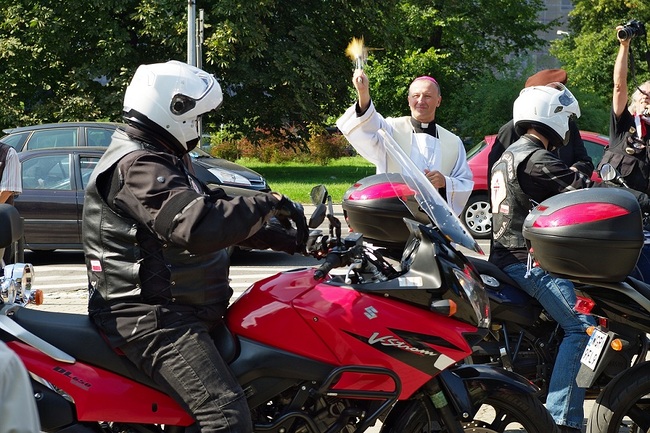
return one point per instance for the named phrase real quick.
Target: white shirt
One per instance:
(11, 177)
(18, 413)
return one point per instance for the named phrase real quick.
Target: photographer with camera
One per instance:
(629, 132)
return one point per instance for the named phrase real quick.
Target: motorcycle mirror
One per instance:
(318, 216)
(608, 172)
(318, 195)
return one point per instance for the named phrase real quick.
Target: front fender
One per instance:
(468, 385)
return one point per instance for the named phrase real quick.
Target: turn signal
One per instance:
(37, 297)
(446, 307)
(590, 330)
(617, 344)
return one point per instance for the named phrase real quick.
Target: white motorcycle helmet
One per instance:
(548, 109)
(172, 96)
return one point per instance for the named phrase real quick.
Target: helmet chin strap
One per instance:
(153, 133)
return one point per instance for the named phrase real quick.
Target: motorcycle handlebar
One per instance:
(333, 260)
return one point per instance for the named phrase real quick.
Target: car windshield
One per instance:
(15, 140)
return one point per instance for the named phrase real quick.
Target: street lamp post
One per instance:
(191, 32)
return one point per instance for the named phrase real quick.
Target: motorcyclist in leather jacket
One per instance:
(526, 174)
(155, 242)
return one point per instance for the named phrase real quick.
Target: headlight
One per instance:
(475, 294)
(229, 177)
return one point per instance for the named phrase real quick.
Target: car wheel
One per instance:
(477, 216)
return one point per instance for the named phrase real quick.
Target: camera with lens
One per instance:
(631, 29)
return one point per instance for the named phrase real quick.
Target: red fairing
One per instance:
(122, 400)
(264, 313)
(348, 327)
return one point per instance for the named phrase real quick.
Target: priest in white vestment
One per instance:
(439, 153)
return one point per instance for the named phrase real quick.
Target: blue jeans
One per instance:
(565, 399)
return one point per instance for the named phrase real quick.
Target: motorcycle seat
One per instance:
(76, 335)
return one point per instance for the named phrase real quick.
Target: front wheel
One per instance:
(502, 411)
(624, 404)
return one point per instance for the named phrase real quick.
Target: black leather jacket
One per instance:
(153, 236)
(627, 152)
(528, 174)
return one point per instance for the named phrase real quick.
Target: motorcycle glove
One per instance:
(273, 235)
(287, 211)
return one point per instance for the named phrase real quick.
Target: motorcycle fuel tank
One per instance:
(593, 234)
(375, 206)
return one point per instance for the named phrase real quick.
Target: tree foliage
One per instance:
(281, 64)
(589, 52)
(71, 60)
(465, 51)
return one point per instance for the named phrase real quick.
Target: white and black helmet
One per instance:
(173, 96)
(547, 108)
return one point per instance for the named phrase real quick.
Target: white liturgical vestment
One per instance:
(443, 152)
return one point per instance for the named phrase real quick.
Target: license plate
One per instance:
(594, 348)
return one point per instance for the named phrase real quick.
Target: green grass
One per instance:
(295, 180)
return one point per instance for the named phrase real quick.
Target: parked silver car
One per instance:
(210, 170)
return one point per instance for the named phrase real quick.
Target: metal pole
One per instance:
(199, 64)
(199, 40)
(191, 32)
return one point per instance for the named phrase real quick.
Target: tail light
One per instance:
(584, 305)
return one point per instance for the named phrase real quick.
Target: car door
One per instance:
(85, 163)
(49, 203)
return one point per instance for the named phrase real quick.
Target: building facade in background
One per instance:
(555, 9)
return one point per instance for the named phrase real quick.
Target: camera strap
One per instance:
(646, 56)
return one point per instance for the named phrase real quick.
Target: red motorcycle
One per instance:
(336, 348)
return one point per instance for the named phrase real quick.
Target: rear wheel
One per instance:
(624, 404)
(503, 411)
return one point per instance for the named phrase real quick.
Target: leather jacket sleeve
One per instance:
(547, 175)
(157, 191)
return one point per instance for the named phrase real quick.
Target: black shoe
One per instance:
(567, 429)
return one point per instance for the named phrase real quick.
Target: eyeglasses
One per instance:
(644, 92)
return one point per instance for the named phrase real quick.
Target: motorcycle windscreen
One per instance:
(428, 197)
